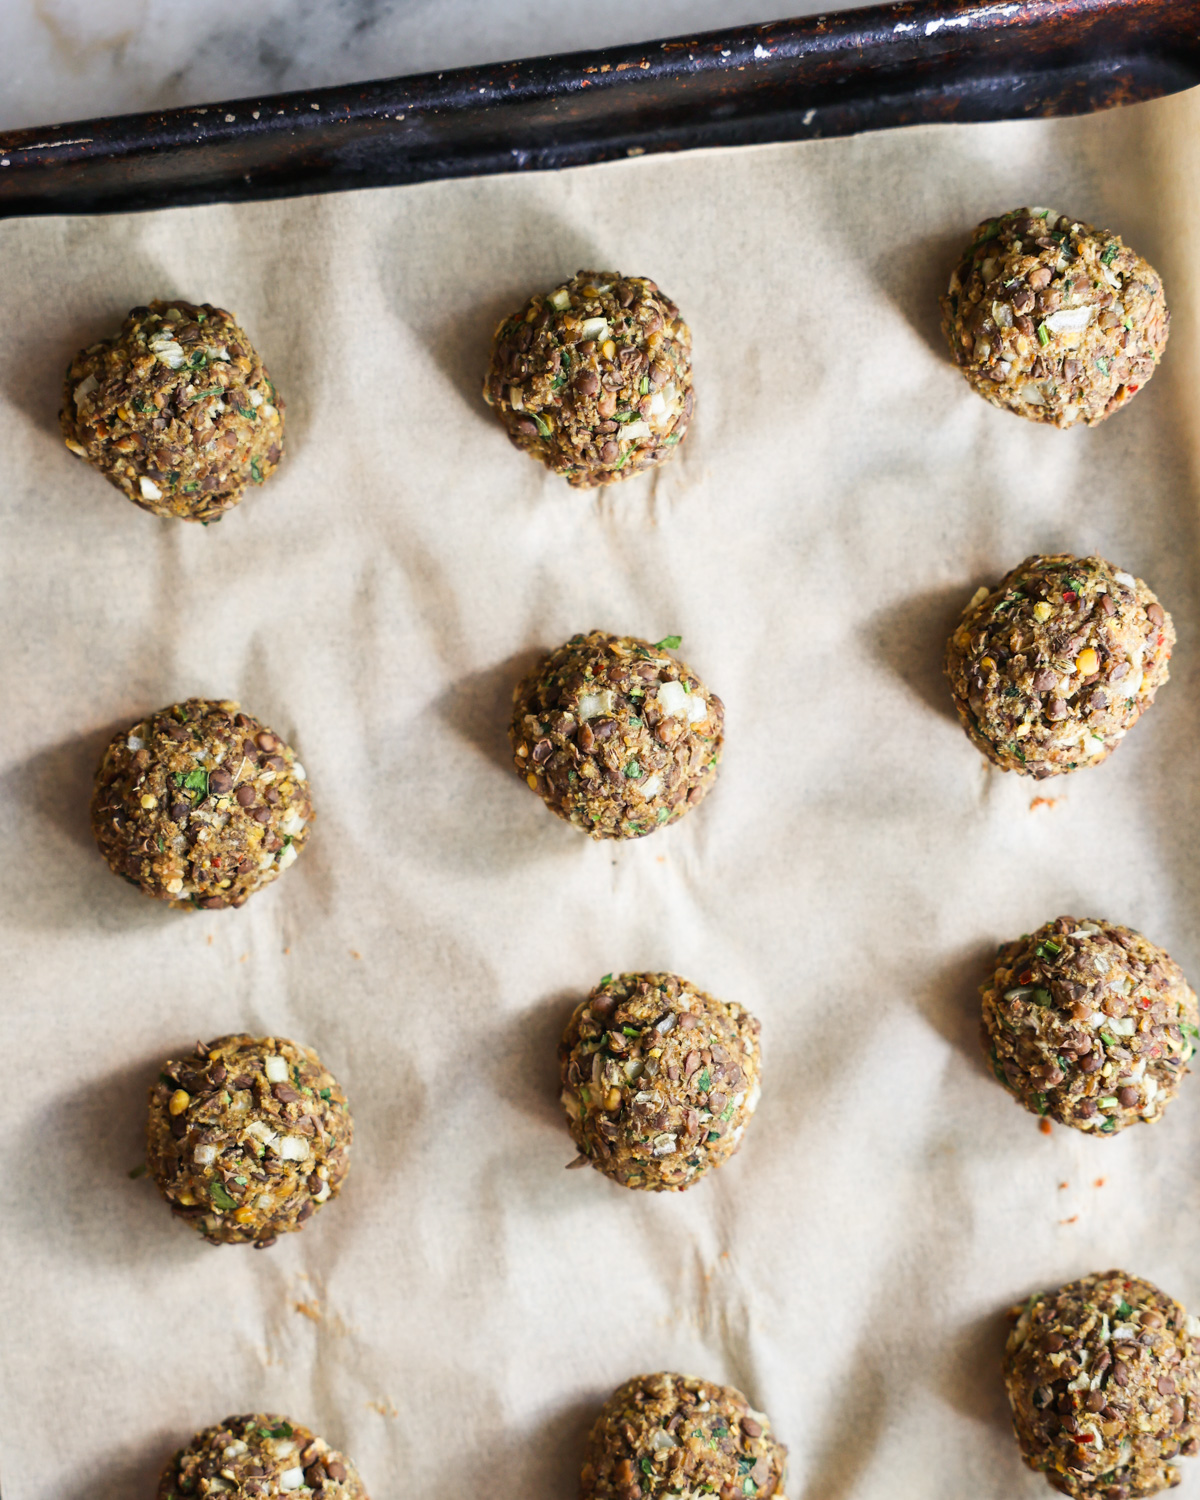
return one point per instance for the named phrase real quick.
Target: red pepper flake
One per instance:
(216, 859)
(1045, 1126)
(1070, 596)
(1086, 1437)
(1074, 1219)
(1099, 1182)
(1063, 1185)
(1147, 1002)
(1131, 389)
(1026, 977)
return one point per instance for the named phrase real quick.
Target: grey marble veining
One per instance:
(72, 59)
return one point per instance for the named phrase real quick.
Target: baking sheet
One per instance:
(455, 1319)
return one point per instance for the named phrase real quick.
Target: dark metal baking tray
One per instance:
(828, 75)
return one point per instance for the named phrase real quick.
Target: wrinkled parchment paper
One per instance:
(456, 1318)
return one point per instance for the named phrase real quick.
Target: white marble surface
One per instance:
(74, 59)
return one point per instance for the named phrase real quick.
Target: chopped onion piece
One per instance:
(1069, 319)
(276, 1069)
(150, 491)
(633, 431)
(593, 705)
(673, 700)
(1127, 579)
(205, 1155)
(85, 388)
(594, 328)
(291, 1479)
(560, 299)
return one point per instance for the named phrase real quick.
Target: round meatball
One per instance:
(1051, 668)
(615, 735)
(659, 1080)
(675, 1435)
(594, 378)
(177, 410)
(1102, 1377)
(200, 805)
(1053, 319)
(247, 1138)
(1089, 1023)
(260, 1455)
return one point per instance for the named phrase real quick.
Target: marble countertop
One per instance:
(74, 59)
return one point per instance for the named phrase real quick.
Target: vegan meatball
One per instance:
(1053, 319)
(200, 805)
(1102, 1377)
(1089, 1023)
(176, 409)
(615, 735)
(247, 1138)
(1052, 667)
(659, 1080)
(260, 1455)
(662, 1435)
(594, 378)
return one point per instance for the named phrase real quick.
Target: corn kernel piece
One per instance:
(186, 1199)
(180, 1100)
(608, 349)
(988, 663)
(149, 800)
(612, 1101)
(1041, 611)
(1087, 662)
(532, 780)
(245, 1214)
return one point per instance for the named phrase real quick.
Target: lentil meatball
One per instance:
(662, 1435)
(1053, 319)
(615, 735)
(247, 1138)
(1052, 667)
(1090, 1023)
(1102, 1377)
(260, 1455)
(200, 805)
(594, 378)
(176, 409)
(659, 1080)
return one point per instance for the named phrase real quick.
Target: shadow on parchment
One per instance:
(972, 1382)
(133, 1476)
(95, 1134)
(478, 707)
(949, 1001)
(547, 250)
(909, 639)
(525, 1062)
(54, 786)
(914, 275)
(544, 1462)
(849, 1442)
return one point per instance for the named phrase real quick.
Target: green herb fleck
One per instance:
(541, 424)
(704, 1082)
(200, 395)
(1124, 1310)
(1102, 365)
(195, 781)
(671, 440)
(633, 770)
(1040, 1101)
(627, 414)
(256, 471)
(1043, 335)
(630, 1031)
(669, 643)
(1040, 997)
(644, 387)
(663, 814)
(1109, 1041)
(249, 413)
(606, 979)
(714, 1135)
(198, 360)
(1047, 949)
(241, 1181)
(284, 1430)
(647, 1466)
(1110, 253)
(625, 460)
(194, 485)
(325, 1093)
(296, 1076)
(1189, 1028)
(220, 1197)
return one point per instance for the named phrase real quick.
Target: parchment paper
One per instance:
(456, 1318)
